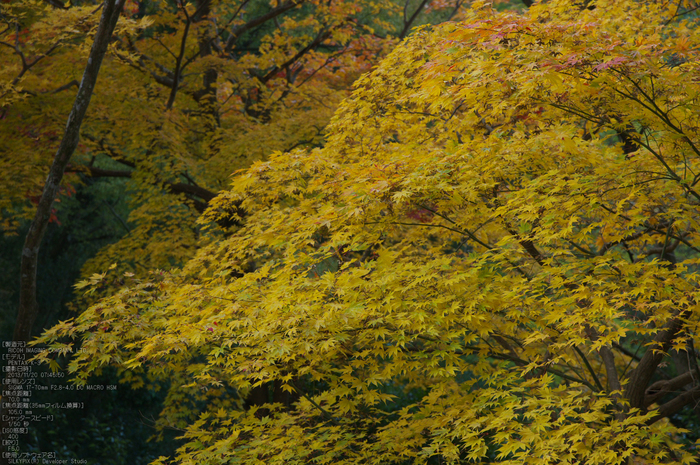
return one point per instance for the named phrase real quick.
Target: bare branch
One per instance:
(178, 61)
(243, 28)
(673, 406)
(660, 388)
(407, 23)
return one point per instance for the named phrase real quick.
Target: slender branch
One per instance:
(57, 4)
(178, 62)
(663, 250)
(243, 28)
(678, 15)
(74, 82)
(656, 110)
(323, 35)
(25, 66)
(121, 220)
(167, 49)
(427, 225)
(233, 18)
(407, 23)
(326, 63)
(325, 412)
(553, 371)
(589, 368)
(581, 248)
(173, 187)
(102, 173)
(632, 355)
(464, 232)
(458, 4)
(166, 79)
(109, 151)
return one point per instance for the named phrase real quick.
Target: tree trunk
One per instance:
(28, 309)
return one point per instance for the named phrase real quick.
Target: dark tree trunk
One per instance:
(28, 309)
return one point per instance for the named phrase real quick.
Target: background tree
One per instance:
(252, 77)
(191, 93)
(28, 309)
(492, 259)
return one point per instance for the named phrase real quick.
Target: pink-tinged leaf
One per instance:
(614, 62)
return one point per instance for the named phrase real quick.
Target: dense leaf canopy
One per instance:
(189, 92)
(492, 259)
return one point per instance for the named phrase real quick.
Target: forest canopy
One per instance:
(492, 258)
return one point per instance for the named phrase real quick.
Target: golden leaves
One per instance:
(493, 212)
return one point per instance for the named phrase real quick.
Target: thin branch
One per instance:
(157, 39)
(233, 18)
(326, 63)
(312, 402)
(455, 10)
(164, 80)
(581, 248)
(121, 220)
(178, 61)
(660, 388)
(323, 35)
(589, 368)
(678, 15)
(428, 225)
(173, 187)
(408, 23)
(464, 232)
(240, 30)
(101, 173)
(632, 355)
(553, 371)
(74, 82)
(663, 250)
(57, 4)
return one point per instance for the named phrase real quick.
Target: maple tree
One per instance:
(188, 92)
(191, 92)
(493, 258)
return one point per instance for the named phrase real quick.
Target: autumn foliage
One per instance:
(189, 93)
(494, 258)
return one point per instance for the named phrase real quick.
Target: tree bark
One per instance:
(638, 381)
(28, 309)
